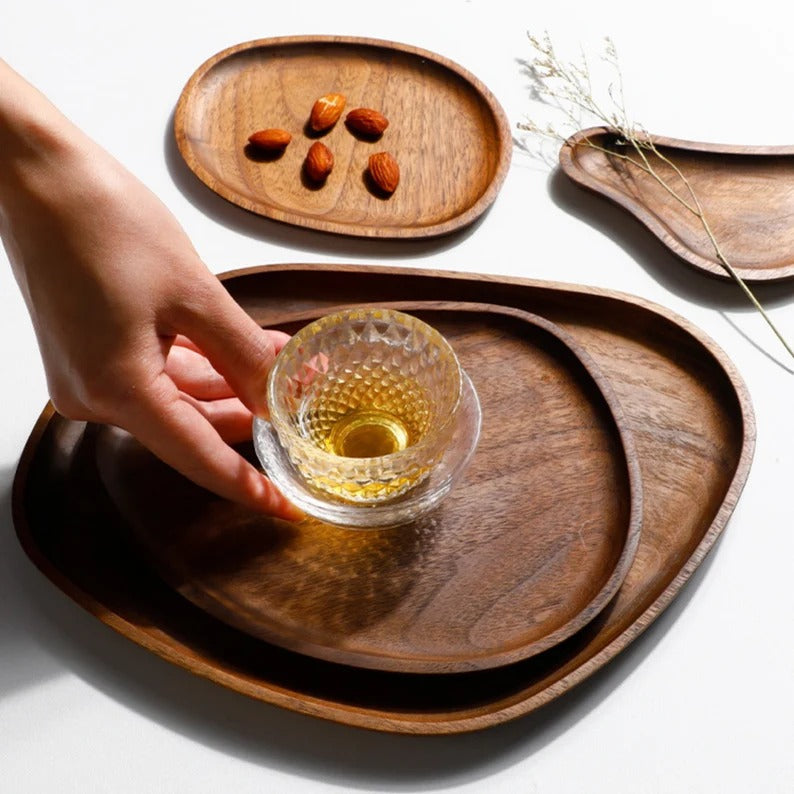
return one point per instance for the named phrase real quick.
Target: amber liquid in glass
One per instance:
(368, 434)
(386, 421)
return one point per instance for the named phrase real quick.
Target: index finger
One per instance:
(177, 433)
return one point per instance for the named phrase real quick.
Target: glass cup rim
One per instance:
(284, 430)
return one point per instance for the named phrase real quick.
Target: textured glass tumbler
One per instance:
(363, 403)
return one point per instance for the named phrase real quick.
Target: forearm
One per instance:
(37, 142)
(31, 129)
(51, 174)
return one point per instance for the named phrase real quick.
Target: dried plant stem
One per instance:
(567, 88)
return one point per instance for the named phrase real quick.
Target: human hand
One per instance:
(133, 329)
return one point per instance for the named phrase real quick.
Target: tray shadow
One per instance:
(652, 255)
(666, 268)
(26, 597)
(45, 635)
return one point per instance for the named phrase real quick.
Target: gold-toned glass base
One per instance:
(368, 434)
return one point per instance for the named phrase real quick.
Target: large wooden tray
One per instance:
(447, 131)
(519, 557)
(693, 428)
(747, 195)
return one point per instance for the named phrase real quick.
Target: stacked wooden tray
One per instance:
(616, 441)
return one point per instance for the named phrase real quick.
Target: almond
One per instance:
(270, 140)
(326, 111)
(367, 121)
(384, 171)
(319, 161)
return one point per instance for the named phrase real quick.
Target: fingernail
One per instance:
(259, 409)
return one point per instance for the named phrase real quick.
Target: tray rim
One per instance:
(642, 212)
(468, 720)
(460, 221)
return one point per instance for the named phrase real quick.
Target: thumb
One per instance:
(241, 351)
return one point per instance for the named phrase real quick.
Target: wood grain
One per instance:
(693, 427)
(448, 133)
(526, 550)
(747, 194)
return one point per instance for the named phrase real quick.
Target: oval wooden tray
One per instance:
(687, 410)
(747, 194)
(448, 133)
(518, 557)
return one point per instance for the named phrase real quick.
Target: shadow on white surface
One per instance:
(780, 358)
(25, 659)
(294, 237)
(43, 634)
(673, 273)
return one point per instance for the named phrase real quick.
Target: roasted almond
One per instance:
(384, 171)
(270, 140)
(326, 111)
(367, 121)
(319, 161)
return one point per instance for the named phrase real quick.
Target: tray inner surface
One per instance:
(447, 132)
(516, 559)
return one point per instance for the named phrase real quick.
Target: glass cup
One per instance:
(363, 405)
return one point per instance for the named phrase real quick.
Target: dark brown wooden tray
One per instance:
(528, 548)
(747, 194)
(447, 131)
(686, 407)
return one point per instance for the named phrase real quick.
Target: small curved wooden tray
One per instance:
(687, 410)
(448, 133)
(515, 561)
(747, 194)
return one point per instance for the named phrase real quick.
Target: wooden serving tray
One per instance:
(528, 548)
(448, 133)
(685, 405)
(747, 194)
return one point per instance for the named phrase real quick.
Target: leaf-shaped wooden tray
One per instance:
(514, 561)
(686, 407)
(447, 132)
(746, 192)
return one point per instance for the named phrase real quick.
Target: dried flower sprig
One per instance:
(567, 87)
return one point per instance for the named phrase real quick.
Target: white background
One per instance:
(704, 701)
